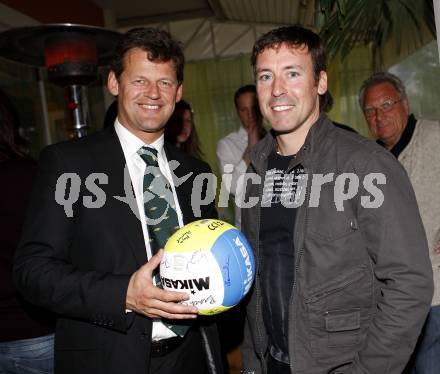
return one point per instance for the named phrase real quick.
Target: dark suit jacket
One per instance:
(80, 266)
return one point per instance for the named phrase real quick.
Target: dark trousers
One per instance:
(426, 356)
(187, 358)
(276, 367)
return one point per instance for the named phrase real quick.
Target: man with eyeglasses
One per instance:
(415, 143)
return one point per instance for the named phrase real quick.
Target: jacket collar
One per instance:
(314, 139)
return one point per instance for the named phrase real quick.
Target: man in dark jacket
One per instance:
(344, 281)
(90, 247)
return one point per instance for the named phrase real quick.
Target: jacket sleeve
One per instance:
(396, 243)
(43, 272)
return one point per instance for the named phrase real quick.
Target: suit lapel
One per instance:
(110, 158)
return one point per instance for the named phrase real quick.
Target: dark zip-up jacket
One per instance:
(363, 279)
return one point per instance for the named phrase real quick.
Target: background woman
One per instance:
(181, 131)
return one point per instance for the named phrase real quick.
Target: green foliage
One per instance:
(344, 24)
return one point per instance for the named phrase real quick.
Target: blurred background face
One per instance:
(187, 125)
(247, 109)
(386, 113)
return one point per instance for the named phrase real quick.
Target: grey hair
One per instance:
(378, 78)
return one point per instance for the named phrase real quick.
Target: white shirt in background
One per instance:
(230, 150)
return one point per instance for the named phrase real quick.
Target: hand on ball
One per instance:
(145, 298)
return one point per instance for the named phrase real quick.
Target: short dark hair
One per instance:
(242, 90)
(294, 37)
(159, 45)
(326, 102)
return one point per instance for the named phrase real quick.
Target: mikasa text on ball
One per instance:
(210, 260)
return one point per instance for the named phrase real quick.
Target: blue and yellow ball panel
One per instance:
(236, 261)
(217, 253)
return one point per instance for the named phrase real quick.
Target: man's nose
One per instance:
(250, 114)
(278, 87)
(378, 114)
(152, 91)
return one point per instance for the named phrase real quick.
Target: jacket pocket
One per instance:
(343, 327)
(337, 312)
(329, 223)
(342, 369)
(334, 228)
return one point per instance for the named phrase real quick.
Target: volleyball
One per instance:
(212, 261)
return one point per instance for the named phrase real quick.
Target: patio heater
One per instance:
(70, 53)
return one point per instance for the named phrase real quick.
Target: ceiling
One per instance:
(209, 28)
(135, 12)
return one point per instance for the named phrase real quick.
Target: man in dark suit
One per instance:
(87, 250)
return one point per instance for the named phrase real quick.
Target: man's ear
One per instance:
(179, 92)
(322, 83)
(112, 83)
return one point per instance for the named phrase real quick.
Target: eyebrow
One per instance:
(139, 77)
(262, 70)
(288, 67)
(143, 77)
(380, 102)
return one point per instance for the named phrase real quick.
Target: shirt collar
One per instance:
(242, 132)
(130, 143)
(242, 135)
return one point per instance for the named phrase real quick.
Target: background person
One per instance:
(415, 143)
(26, 339)
(96, 268)
(233, 149)
(181, 130)
(326, 105)
(338, 290)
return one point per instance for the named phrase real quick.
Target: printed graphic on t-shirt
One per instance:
(282, 187)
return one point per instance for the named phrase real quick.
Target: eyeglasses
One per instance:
(385, 107)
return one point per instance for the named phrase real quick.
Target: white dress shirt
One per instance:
(131, 144)
(230, 150)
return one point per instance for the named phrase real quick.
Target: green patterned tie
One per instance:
(160, 214)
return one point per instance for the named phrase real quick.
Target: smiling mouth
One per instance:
(149, 107)
(381, 125)
(282, 108)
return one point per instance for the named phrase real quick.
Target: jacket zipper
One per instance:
(257, 287)
(297, 262)
(209, 355)
(320, 295)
